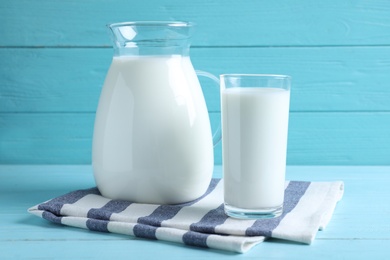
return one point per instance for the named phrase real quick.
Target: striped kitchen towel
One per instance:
(308, 208)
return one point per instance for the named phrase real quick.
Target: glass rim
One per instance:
(238, 75)
(153, 23)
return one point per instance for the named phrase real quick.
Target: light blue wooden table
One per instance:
(359, 229)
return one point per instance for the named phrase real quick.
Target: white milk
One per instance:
(152, 141)
(255, 125)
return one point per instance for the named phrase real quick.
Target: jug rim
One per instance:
(152, 23)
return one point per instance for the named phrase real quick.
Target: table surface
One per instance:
(360, 226)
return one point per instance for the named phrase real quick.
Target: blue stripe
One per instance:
(212, 219)
(145, 231)
(97, 225)
(165, 212)
(55, 205)
(195, 239)
(148, 225)
(98, 218)
(51, 217)
(105, 212)
(293, 193)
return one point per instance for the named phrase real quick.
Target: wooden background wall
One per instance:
(54, 55)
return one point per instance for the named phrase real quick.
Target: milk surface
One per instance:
(254, 129)
(152, 140)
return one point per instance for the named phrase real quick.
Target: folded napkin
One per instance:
(308, 208)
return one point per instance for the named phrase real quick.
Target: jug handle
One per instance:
(217, 135)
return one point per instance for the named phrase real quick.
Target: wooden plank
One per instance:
(45, 80)
(324, 79)
(45, 138)
(231, 23)
(26, 236)
(327, 138)
(142, 248)
(339, 138)
(122, 248)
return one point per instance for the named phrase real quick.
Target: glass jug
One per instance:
(152, 140)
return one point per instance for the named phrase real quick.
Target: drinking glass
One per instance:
(255, 113)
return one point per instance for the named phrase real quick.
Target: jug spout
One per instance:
(151, 38)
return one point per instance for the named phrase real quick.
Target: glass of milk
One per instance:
(255, 112)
